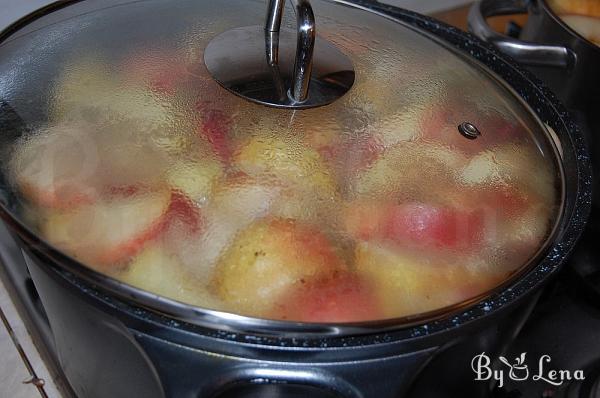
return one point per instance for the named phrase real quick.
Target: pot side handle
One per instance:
(259, 381)
(524, 52)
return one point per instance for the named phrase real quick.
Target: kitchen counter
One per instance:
(23, 373)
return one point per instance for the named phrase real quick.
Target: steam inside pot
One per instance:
(376, 206)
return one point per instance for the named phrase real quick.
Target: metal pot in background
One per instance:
(555, 52)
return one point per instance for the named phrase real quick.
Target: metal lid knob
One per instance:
(314, 71)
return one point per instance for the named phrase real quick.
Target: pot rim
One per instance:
(569, 225)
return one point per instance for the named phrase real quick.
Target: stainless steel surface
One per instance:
(529, 53)
(280, 68)
(304, 50)
(274, 15)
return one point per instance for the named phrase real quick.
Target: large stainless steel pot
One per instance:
(114, 339)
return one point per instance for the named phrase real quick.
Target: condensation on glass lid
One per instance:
(426, 185)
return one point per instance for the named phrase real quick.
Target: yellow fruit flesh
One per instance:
(196, 179)
(287, 161)
(93, 232)
(308, 191)
(158, 272)
(264, 262)
(408, 171)
(409, 283)
(513, 166)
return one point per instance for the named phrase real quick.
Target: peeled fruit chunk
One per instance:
(408, 171)
(512, 166)
(105, 234)
(268, 259)
(76, 84)
(411, 283)
(324, 140)
(308, 189)
(288, 161)
(234, 206)
(88, 91)
(128, 158)
(513, 241)
(156, 271)
(67, 165)
(57, 167)
(343, 297)
(397, 128)
(195, 178)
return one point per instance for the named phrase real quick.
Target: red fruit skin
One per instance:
(341, 298)
(214, 127)
(181, 211)
(417, 224)
(71, 197)
(127, 249)
(165, 81)
(61, 198)
(426, 225)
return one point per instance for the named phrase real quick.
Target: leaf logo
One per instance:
(519, 371)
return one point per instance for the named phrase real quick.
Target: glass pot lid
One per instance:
(426, 184)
